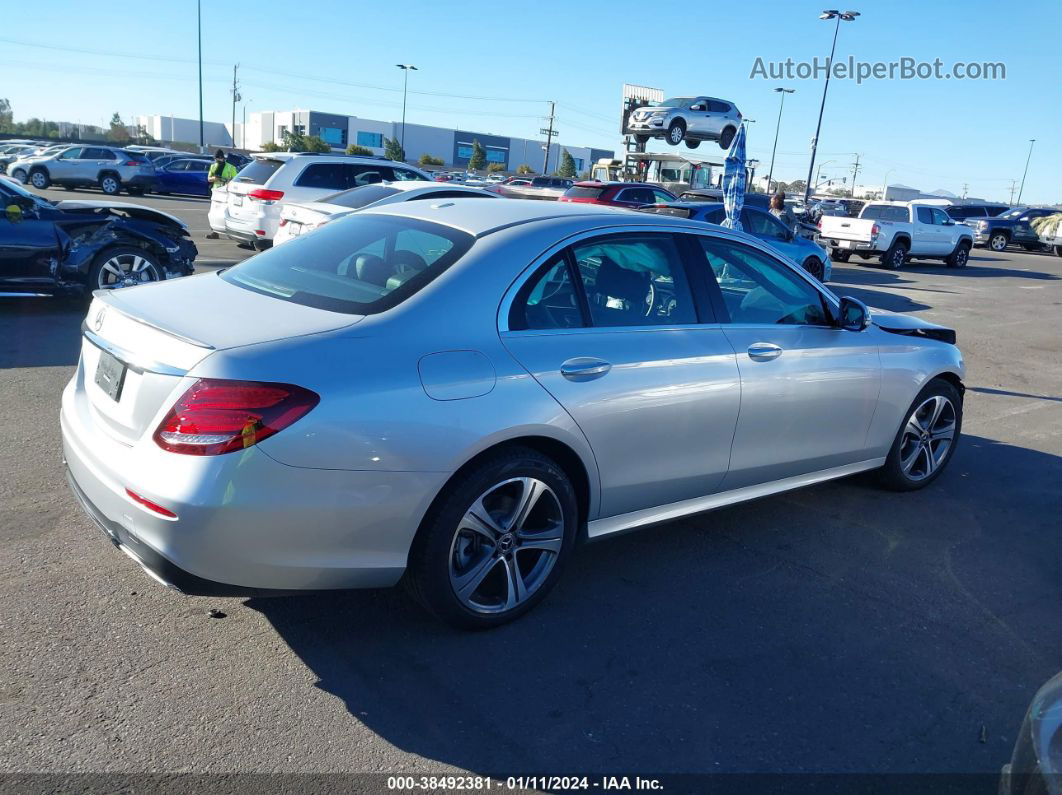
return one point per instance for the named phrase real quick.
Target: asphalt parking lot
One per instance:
(836, 629)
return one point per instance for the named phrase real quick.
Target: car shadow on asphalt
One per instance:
(872, 273)
(839, 627)
(41, 332)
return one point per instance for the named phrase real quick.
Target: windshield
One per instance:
(676, 102)
(361, 264)
(359, 197)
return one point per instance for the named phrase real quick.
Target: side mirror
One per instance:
(949, 223)
(855, 316)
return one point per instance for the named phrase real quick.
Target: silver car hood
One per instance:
(134, 210)
(210, 312)
(910, 325)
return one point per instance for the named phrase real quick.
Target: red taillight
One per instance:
(215, 416)
(875, 229)
(154, 507)
(133, 163)
(819, 223)
(266, 195)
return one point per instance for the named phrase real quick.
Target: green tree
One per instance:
(293, 141)
(429, 160)
(314, 143)
(6, 116)
(479, 156)
(393, 150)
(269, 146)
(354, 149)
(524, 168)
(567, 165)
(118, 132)
(494, 168)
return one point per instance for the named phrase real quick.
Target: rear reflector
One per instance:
(262, 194)
(151, 506)
(216, 416)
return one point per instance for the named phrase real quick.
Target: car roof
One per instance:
(615, 183)
(481, 218)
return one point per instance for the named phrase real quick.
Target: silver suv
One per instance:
(110, 168)
(689, 119)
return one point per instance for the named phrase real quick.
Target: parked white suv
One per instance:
(896, 231)
(272, 179)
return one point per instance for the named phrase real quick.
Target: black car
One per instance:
(970, 214)
(74, 246)
(713, 195)
(1013, 226)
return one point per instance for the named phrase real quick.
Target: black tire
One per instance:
(840, 256)
(727, 138)
(39, 179)
(111, 184)
(998, 241)
(893, 475)
(896, 256)
(642, 139)
(814, 266)
(436, 549)
(692, 144)
(69, 187)
(153, 269)
(960, 257)
(19, 175)
(676, 132)
(1058, 251)
(261, 245)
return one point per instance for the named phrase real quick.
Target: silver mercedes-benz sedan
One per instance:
(456, 393)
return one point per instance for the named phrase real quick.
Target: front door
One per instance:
(28, 246)
(808, 388)
(609, 328)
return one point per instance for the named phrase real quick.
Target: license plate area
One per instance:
(110, 375)
(845, 243)
(237, 201)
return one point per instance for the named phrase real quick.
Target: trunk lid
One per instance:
(139, 342)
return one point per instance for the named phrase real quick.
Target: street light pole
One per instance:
(777, 127)
(405, 67)
(818, 175)
(847, 16)
(885, 184)
(1027, 159)
(199, 25)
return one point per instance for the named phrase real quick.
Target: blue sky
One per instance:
(506, 59)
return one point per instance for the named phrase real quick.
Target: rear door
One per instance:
(611, 328)
(28, 246)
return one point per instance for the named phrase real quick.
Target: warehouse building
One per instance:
(453, 147)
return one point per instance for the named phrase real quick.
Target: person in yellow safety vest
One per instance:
(220, 174)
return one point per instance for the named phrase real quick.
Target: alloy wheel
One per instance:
(961, 257)
(674, 135)
(38, 180)
(927, 437)
(126, 270)
(109, 185)
(998, 242)
(506, 545)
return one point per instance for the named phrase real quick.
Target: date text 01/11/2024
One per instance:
(549, 783)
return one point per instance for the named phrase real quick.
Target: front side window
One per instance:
(71, 154)
(362, 264)
(939, 218)
(634, 280)
(759, 289)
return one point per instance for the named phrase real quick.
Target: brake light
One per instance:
(218, 416)
(819, 223)
(154, 507)
(262, 194)
(875, 229)
(133, 163)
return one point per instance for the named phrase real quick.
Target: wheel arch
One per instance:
(560, 452)
(901, 237)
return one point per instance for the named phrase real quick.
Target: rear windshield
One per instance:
(137, 156)
(884, 212)
(362, 264)
(583, 193)
(258, 171)
(356, 198)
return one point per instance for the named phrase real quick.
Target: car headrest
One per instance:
(372, 269)
(617, 282)
(403, 261)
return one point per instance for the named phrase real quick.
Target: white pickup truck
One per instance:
(897, 231)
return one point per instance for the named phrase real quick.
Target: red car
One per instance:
(617, 194)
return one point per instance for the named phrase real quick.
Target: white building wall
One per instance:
(172, 128)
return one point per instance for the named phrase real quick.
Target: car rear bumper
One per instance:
(145, 181)
(245, 523)
(849, 245)
(258, 228)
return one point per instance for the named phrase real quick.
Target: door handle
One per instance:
(584, 368)
(764, 352)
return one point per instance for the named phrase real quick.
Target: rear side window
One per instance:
(362, 264)
(577, 192)
(259, 170)
(715, 216)
(634, 280)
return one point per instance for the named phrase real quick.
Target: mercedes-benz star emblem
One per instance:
(97, 322)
